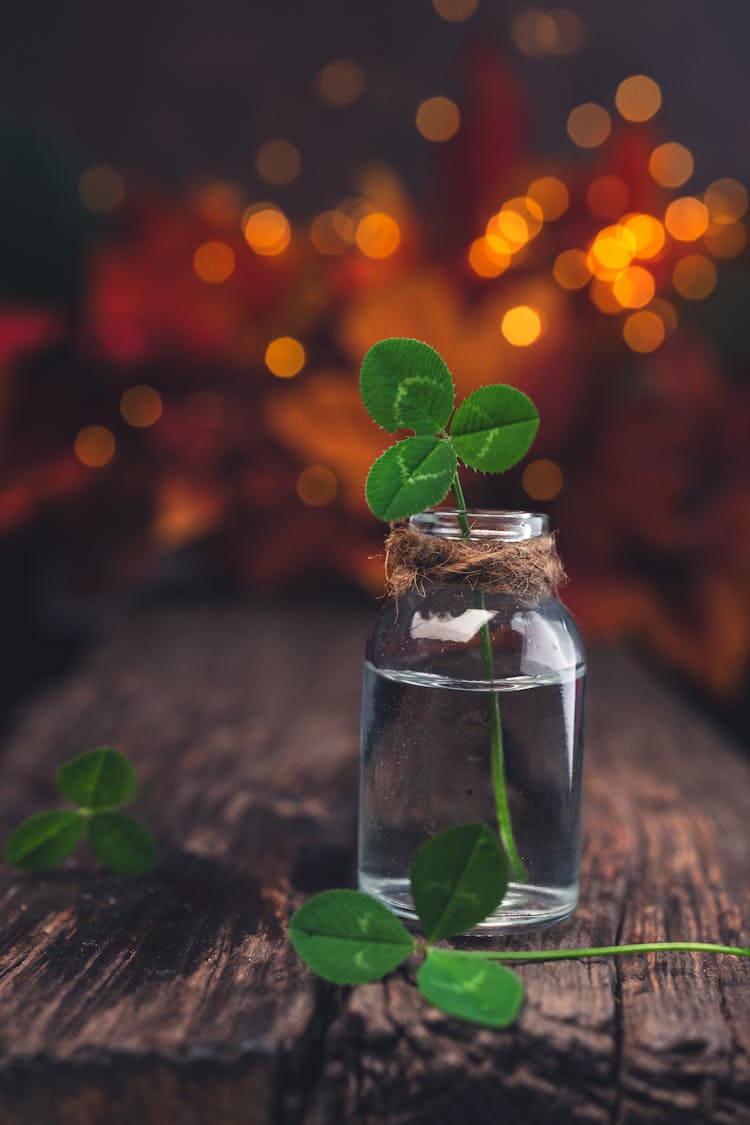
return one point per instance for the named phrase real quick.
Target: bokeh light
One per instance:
(647, 232)
(316, 486)
(455, 11)
(558, 32)
(671, 164)
(542, 479)
(638, 98)
(612, 250)
(285, 357)
(607, 196)
(694, 277)
(340, 83)
(267, 230)
(278, 162)
(571, 270)
(644, 331)
(214, 262)
(438, 119)
(521, 326)
(332, 232)
(603, 298)
(141, 406)
(589, 125)
(101, 189)
(94, 446)
(551, 195)
(666, 311)
(485, 260)
(725, 241)
(726, 201)
(634, 287)
(378, 235)
(686, 218)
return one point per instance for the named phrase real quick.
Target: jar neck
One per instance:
(505, 527)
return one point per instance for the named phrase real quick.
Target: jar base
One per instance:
(525, 906)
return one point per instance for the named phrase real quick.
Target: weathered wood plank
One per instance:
(176, 998)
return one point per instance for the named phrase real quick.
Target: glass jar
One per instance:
(472, 710)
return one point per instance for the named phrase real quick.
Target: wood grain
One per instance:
(176, 998)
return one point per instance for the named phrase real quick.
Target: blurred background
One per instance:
(208, 213)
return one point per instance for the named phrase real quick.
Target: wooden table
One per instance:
(176, 998)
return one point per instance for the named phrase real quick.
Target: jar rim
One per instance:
(506, 525)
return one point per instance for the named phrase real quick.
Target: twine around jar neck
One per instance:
(415, 560)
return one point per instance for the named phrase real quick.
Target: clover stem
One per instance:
(605, 951)
(496, 728)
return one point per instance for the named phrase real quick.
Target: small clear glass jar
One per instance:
(443, 742)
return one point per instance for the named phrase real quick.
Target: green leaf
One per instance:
(457, 879)
(474, 990)
(123, 844)
(494, 427)
(97, 778)
(412, 475)
(406, 385)
(348, 937)
(44, 840)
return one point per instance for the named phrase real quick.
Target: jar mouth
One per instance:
(506, 526)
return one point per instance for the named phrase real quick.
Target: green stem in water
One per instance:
(605, 951)
(496, 728)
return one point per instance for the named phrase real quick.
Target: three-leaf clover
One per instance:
(458, 878)
(99, 782)
(406, 385)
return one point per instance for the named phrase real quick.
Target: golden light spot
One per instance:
(507, 231)
(438, 119)
(214, 262)
(589, 125)
(455, 11)
(485, 260)
(219, 203)
(542, 480)
(666, 311)
(141, 406)
(94, 446)
(726, 201)
(527, 209)
(648, 233)
(316, 486)
(332, 232)
(603, 298)
(634, 287)
(638, 98)
(521, 326)
(694, 277)
(101, 189)
(612, 250)
(551, 195)
(686, 218)
(643, 331)
(278, 161)
(340, 83)
(570, 269)
(725, 241)
(607, 196)
(285, 357)
(378, 235)
(267, 230)
(671, 164)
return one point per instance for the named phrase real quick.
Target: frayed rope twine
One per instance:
(530, 568)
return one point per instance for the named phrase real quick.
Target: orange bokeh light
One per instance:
(671, 164)
(648, 233)
(438, 119)
(634, 287)
(638, 98)
(589, 125)
(285, 357)
(725, 240)
(340, 83)
(612, 250)
(378, 235)
(214, 262)
(643, 331)
(316, 486)
(94, 446)
(571, 270)
(694, 277)
(485, 260)
(332, 232)
(267, 230)
(686, 218)
(141, 406)
(542, 479)
(550, 195)
(278, 161)
(726, 201)
(521, 326)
